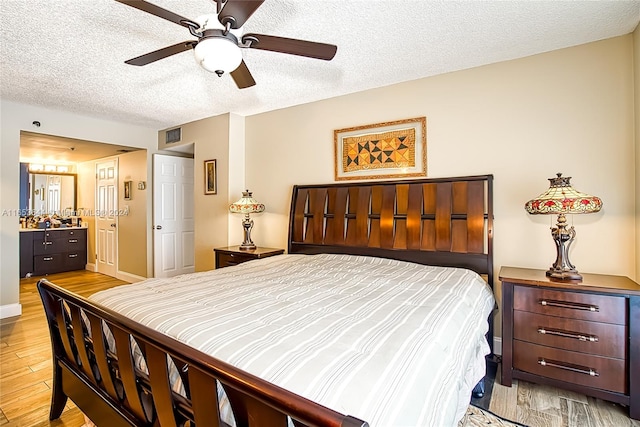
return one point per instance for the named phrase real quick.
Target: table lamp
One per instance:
(561, 199)
(247, 205)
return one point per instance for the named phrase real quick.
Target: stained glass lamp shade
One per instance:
(561, 199)
(247, 205)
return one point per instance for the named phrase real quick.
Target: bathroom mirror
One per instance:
(48, 194)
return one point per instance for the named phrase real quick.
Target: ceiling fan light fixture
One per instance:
(218, 53)
(218, 47)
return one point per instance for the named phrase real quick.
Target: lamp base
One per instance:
(567, 275)
(563, 236)
(247, 225)
(247, 247)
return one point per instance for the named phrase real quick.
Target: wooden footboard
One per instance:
(103, 381)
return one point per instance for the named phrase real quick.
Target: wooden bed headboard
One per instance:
(439, 221)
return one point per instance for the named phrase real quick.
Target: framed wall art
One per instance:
(383, 150)
(210, 174)
(127, 189)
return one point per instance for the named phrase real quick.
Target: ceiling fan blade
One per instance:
(156, 55)
(291, 46)
(155, 10)
(236, 12)
(242, 76)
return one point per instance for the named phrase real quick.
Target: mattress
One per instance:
(390, 342)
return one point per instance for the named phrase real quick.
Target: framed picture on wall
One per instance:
(395, 149)
(210, 173)
(127, 190)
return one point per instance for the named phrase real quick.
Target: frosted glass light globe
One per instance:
(218, 54)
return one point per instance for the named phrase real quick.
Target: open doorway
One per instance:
(80, 157)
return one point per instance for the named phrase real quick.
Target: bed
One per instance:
(378, 313)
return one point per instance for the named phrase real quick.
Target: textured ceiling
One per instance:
(69, 54)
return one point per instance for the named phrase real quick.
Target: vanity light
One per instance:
(38, 168)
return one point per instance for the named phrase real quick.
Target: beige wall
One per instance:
(86, 204)
(636, 73)
(567, 111)
(132, 224)
(211, 138)
(236, 175)
(15, 117)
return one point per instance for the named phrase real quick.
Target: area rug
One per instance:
(478, 417)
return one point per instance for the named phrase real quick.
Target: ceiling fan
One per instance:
(219, 39)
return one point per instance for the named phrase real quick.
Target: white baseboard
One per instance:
(128, 277)
(10, 310)
(497, 346)
(91, 267)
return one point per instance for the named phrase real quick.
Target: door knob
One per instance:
(158, 227)
(113, 225)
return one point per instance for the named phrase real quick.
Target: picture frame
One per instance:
(210, 177)
(396, 149)
(128, 186)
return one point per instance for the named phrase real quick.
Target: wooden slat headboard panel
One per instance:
(441, 221)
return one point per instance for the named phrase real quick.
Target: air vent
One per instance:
(173, 135)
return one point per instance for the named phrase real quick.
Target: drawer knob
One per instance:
(567, 334)
(569, 305)
(47, 258)
(73, 255)
(73, 240)
(47, 243)
(568, 367)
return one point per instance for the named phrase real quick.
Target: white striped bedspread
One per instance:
(392, 343)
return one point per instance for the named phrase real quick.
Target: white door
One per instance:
(106, 207)
(173, 216)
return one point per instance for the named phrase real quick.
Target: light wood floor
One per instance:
(545, 406)
(26, 372)
(25, 355)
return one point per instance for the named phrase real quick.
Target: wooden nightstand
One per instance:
(232, 255)
(581, 336)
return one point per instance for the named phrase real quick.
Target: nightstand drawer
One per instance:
(603, 339)
(233, 255)
(573, 305)
(577, 368)
(229, 259)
